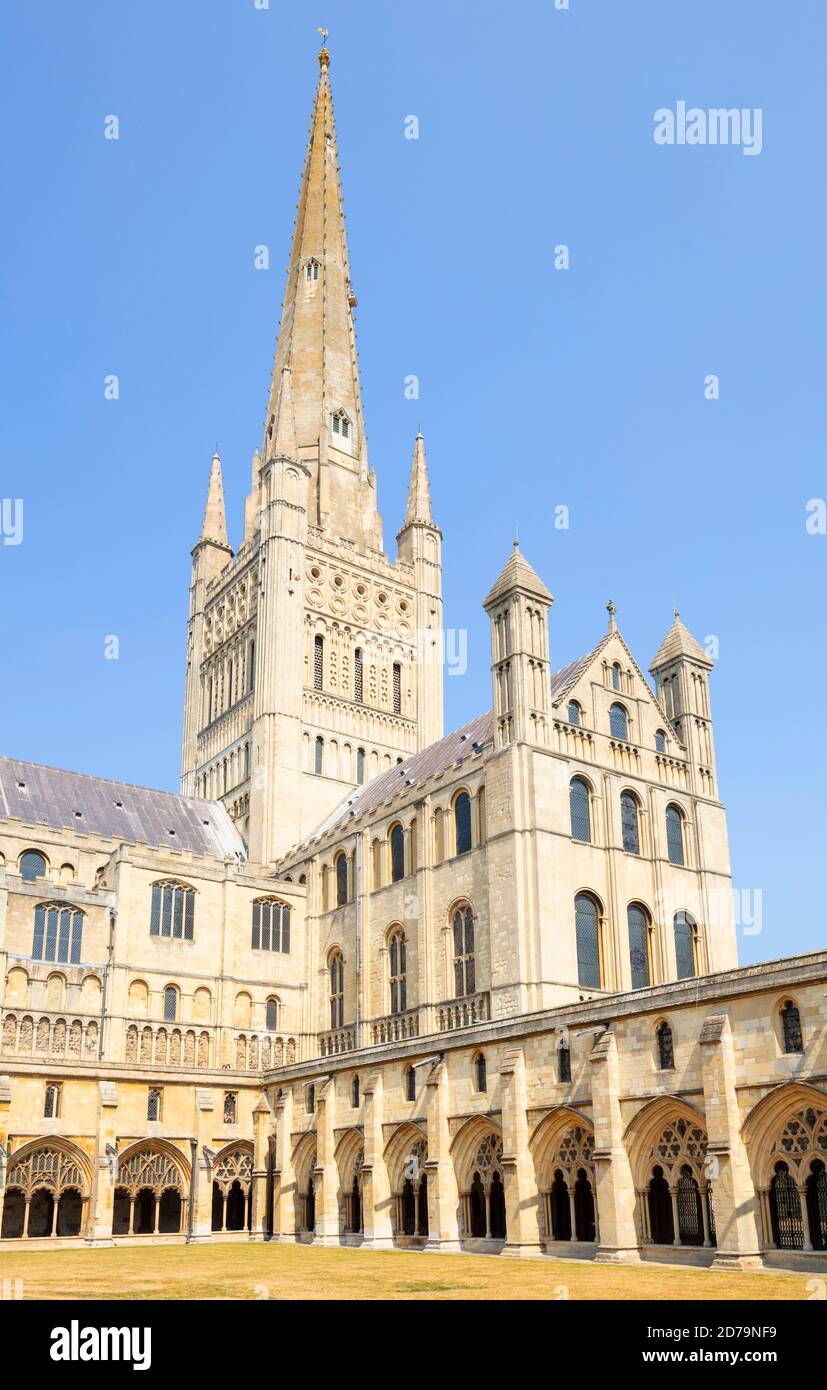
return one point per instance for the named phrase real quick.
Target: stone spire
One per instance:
(678, 643)
(214, 528)
(316, 338)
(419, 492)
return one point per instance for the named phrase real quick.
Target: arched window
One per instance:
(674, 835)
(358, 676)
(580, 810)
(480, 1072)
(564, 1062)
(51, 1107)
(666, 1052)
(170, 1004)
(587, 931)
(310, 1099)
(337, 990)
(58, 933)
(341, 424)
(619, 722)
(354, 1093)
(638, 922)
(319, 755)
(616, 676)
(153, 1103)
(271, 925)
(397, 956)
(318, 662)
(397, 843)
(630, 822)
(574, 712)
(464, 972)
(686, 945)
(311, 270)
(230, 1107)
(791, 1027)
(397, 688)
(410, 1083)
(360, 765)
(32, 866)
(660, 741)
(462, 823)
(173, 911)
(341, 879)
(271, 1015)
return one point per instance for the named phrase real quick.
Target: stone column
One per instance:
(615, 1190)
(522, 1201)
(105, 1173)
(262, 1117)
(734, 1200)
(285, 1215)
(376, 1193)
(443, 1198)
(327, 1184)
(202, 1212)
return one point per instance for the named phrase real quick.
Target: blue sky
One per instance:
(538, 386)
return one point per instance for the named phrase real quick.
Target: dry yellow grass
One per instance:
(301, 1272)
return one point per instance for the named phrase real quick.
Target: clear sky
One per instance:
(539, 387)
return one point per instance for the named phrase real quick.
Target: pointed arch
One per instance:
(153, 1163)
(406, 1141)
(466, 1143)
(765, 1125)
(50, 1162)
(646, 1128)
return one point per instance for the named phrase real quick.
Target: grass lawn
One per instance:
(302, 1272)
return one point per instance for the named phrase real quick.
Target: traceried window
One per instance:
(660, 741)
(464, 968)
(341, 424)
(397, 688)
(580, 810)
(618, 722)
(564, 1062)
(311, 270)
(791, 1027)
(32, 866)
(360, 766)
(358, 676)
(271, 1015)
(271, 926)
(58, 933)
(341, 879)
(318, 755)
(574, 712)
(173, 911)
(638, 923)
(397, 842)
(630, 822)
(170, 1004)
(686, 941)
(153, 1103)
(318, 662)
(410, 1083)
(587, 932)
(462, 822)
(674, 835)
(51, 1104)
(230, 1107)
(337, 990)
(398, 961)
(666, 1051)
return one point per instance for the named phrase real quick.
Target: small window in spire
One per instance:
(311, 270)
(341, 424)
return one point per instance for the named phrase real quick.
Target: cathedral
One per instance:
(365, 982)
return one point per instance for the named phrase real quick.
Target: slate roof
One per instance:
(50, 796)
(437, 757)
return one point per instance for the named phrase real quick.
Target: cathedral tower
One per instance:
(315, 662)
